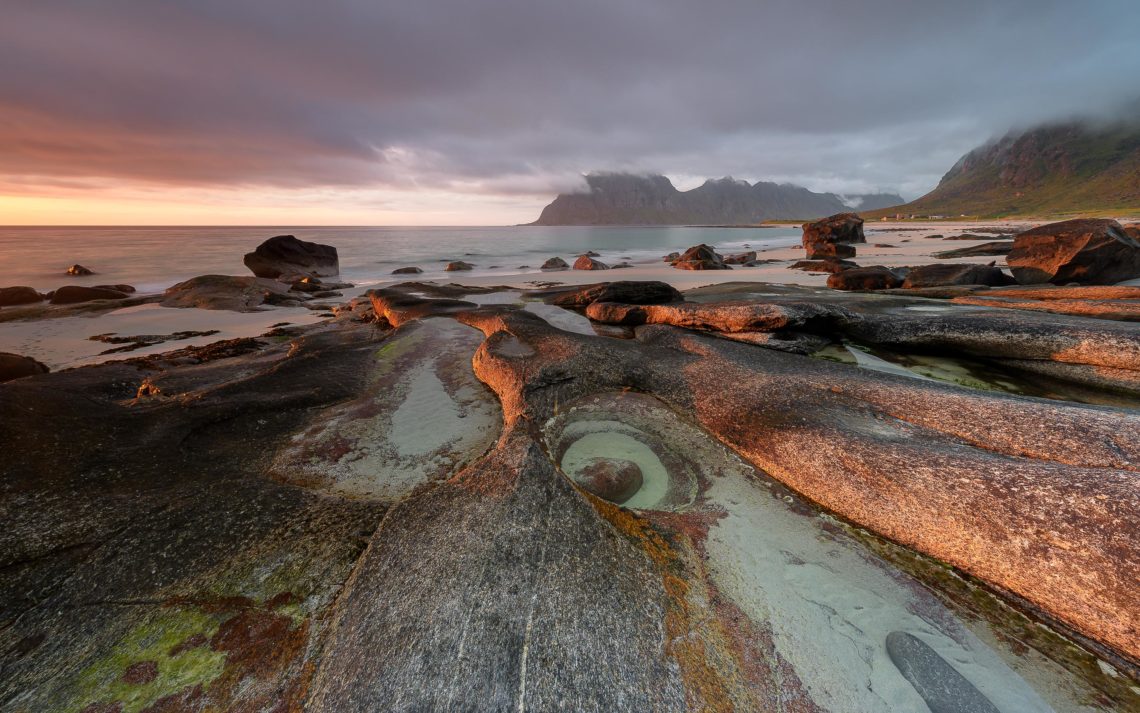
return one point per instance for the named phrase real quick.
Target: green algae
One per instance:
(156, 640)
(394, 349)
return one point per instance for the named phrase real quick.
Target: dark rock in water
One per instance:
(285, 254)
(833, 236)
(585, 262)
(883, 245)
(78, 270)
(874, 277)
(1085, 251)
(307, 284)
(740, 258)
(11, 296)
(74, 294)
(700, 257)
(629, 292)
(240, 294)
(407, 271)
(950, 274)
(621, 266)
(940, 685)
(458, 266)
(1000, 247)
(555, 263)
(17, 366)
(831, 265)
(591, 253)
(610, 478)
(671, 256)
(129, 289)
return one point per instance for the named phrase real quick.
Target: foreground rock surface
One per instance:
(381, 515)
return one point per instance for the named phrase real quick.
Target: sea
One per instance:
(154, 258)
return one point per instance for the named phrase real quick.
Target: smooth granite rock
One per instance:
(1086, 251)
(285, 254)
(12, 296)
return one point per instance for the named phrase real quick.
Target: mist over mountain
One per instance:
(628, 199)
(1083, 166)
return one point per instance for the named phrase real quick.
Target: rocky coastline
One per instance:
(914, 486)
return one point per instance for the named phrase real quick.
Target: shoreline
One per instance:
(59, 336)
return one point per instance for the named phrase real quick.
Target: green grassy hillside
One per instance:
(1055, 170)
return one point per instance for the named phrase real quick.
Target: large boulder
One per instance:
(700, 257)
(17, 366)
(833, 236)
(458, 266)
(945, 274)
(555, 263)
(585, 262)
(78, 270)
(74, 294)
(10, 296)
(648, 292)
(1085, 251)
(411, 270)
(875, 277)
(239, 294)
(285, 254)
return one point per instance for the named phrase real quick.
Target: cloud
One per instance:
(521, 97)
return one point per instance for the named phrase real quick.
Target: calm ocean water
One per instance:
(153, 258)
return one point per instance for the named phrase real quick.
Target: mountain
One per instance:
(627, 199)
(1055, 169)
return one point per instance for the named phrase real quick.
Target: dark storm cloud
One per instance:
(522, 96)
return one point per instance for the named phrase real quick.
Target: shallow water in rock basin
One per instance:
(619, 446)
(827, 601)
(423, 415)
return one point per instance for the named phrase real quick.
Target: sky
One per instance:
(457, 112)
